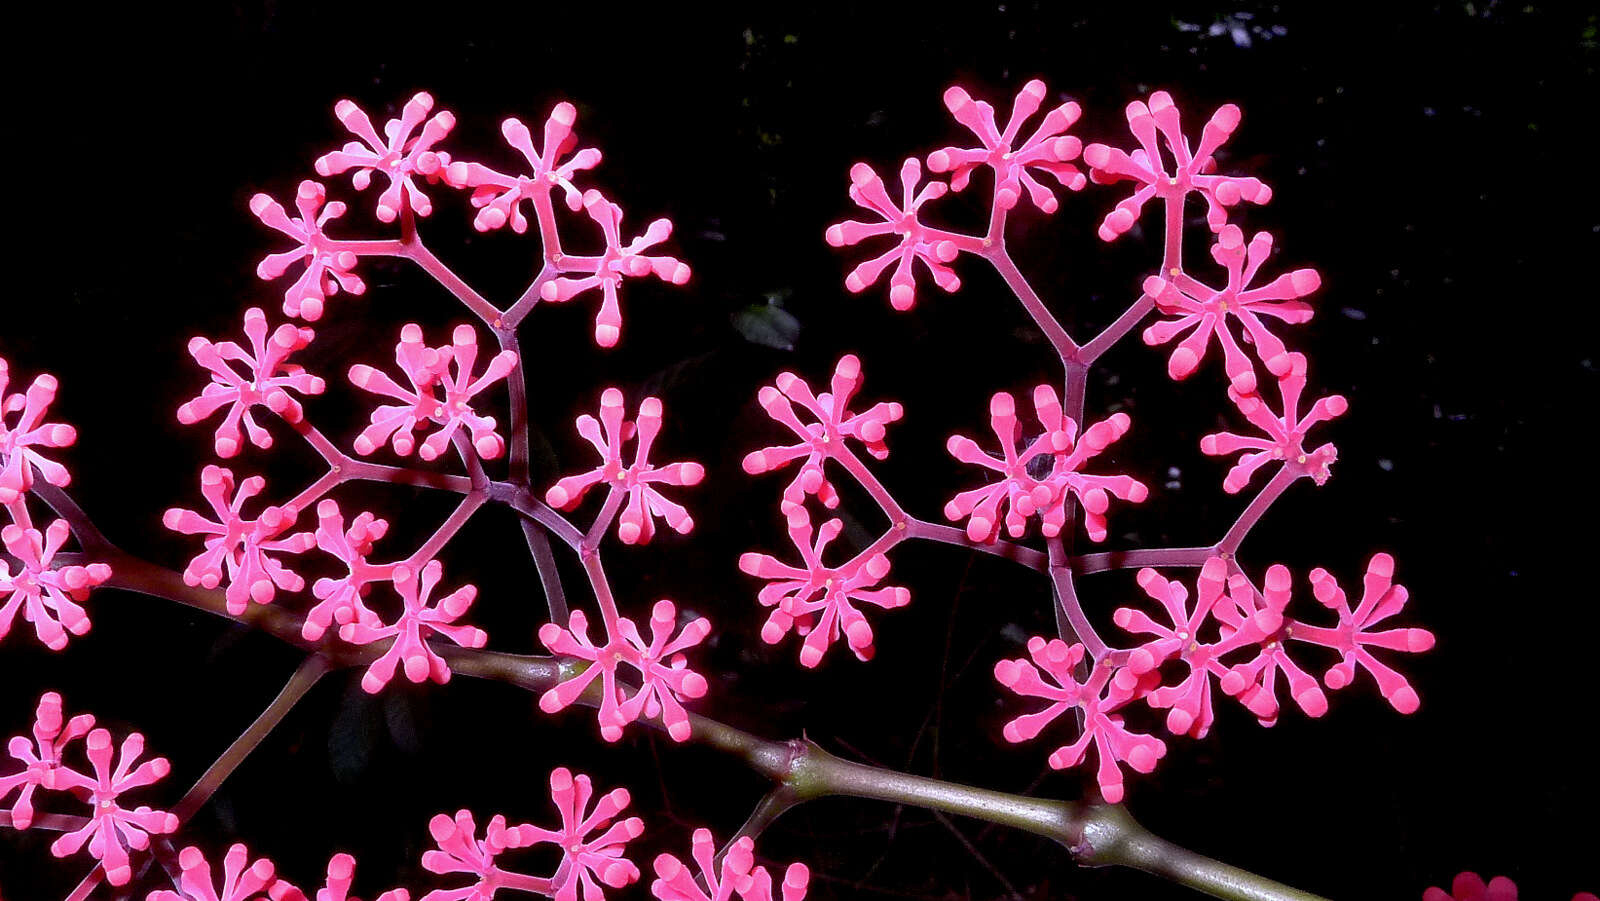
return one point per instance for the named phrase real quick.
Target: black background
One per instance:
(1425, 159)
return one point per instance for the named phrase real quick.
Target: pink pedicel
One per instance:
(1204, 312)
(1283, 434)
(242, 879)
(817, 601)
(823, 438)
(400, 155)
(336, 887)
(240, 553)
(421, 618)
(1156, 124)
(24, 433)
(607, 270)
(499, 197)
(242, 379)
(329, 264)
(41, 757)
(1036, 480)
(440, 392)
(341, 600)
(1048, 150)
(933, 247)
(1098, 697)
(659, 665)
(50, 598)
(112, 828)
(637, 481)
(737, 874)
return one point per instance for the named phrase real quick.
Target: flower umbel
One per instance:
(398, 156)
(431, 370)
(1098, 697)
(419, 620)
(1203, 311)
(826, 436)
(113, 828)
(737, 874)
(41, 758)
(23, 433)
(499, 197)
(815, 600)
(49, 597)
(1188, 171)
(1284, 434)
(659, 664)
(618, 261)
(266, 380)
(1049, 149)
(330, 264)
(933, 247)
(644, 501)
(1026, 487)
(238, 548)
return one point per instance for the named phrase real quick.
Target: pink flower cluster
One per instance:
(659, 664)
(408, 157)
(738, 875)
(113, 828)
(440, 390)
(1471, 887)
(1020, 493)
(592, 834)
(631, 484)
(244, 880)
(1229, 637)
(34, 586)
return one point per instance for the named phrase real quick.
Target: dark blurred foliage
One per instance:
(1426, 158)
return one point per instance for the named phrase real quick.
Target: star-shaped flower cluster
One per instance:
(241, 552)
(818, 601)
(329, 264)
(499, 197)
(1283, 434)
(1098, 698)
(637, 481)
(659, 664)
(1173, 177)
(618, 261)
(113, 827)
(737, 874)
(823, 438)
(265, 380)
(1038, 476)
(24, 435)
(441, 390)
(1049, 150)
(421, 618)
(46, 595)
(591, 839)
(41, 758)
(1203, 311)
(400, 155)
